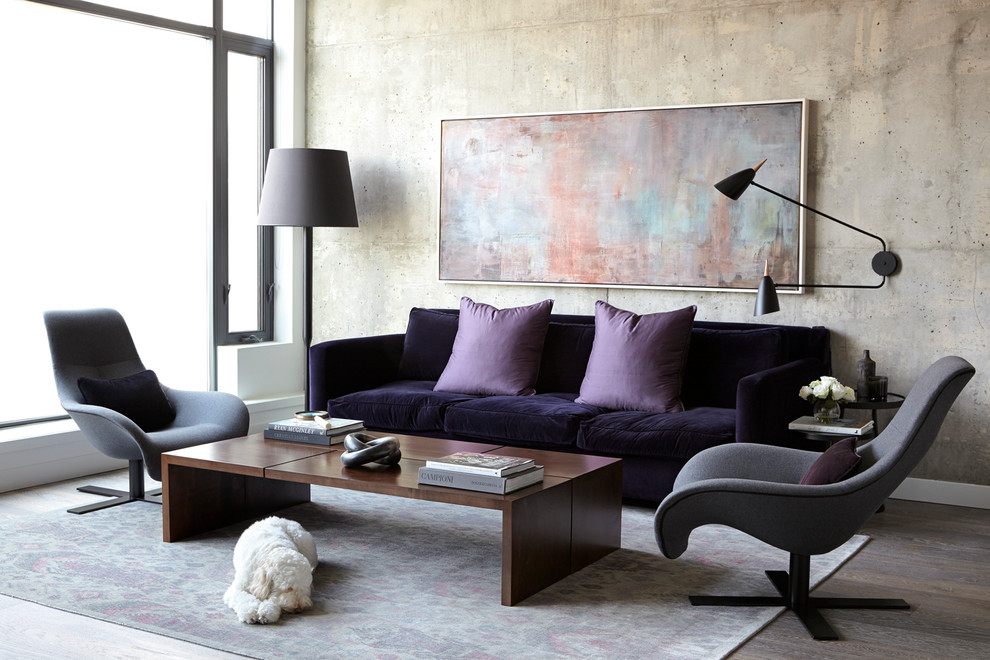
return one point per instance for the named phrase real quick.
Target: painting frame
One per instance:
(623, 198)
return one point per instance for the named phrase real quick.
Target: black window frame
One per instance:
(228, 42)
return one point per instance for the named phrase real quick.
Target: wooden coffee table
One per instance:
(549, 530)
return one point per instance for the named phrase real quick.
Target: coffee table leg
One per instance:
(536, 542)
(597, 521)
(196, 500)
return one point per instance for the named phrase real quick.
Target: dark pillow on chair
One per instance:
(837, 463)
(138, 396)
(427, 345)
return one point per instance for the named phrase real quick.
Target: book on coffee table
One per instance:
(839, 426)
(333, 426)
(494, 465)
(308, 438)
(481, 482)
(314, 433)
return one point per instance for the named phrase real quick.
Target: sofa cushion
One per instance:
(718, 359)
(835, 464)
(138, 397)
(538, 420)
(427, 344)
(658, 435)
(406, 405)
(496, 351)
(637, 362)
(565, 356)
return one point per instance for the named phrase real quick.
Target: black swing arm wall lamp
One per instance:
(884, 262)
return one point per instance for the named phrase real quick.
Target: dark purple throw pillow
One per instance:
(426, 348)
(139, 397)
(838, 462)
(496, 351)
(637, 362)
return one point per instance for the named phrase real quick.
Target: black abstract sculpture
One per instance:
(365, 448)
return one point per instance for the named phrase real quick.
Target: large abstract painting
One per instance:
(623, 198)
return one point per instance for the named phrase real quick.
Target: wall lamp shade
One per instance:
(766, 295)
(307, 188)
(884, 263)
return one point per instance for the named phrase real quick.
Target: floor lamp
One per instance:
(307, 188)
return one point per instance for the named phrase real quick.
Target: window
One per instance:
(111, 194)
(246, 262)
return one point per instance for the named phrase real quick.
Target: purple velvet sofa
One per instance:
(740, 385)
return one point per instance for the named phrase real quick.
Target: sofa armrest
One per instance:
(341, 366)
(768, 400)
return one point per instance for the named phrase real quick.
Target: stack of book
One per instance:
(317, 432)
(839, 426)
(489, 473)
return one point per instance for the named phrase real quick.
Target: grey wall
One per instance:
(898, 145)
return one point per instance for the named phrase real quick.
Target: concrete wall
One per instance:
(899, 144)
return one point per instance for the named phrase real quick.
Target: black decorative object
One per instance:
(865, 368)
(877, 388)
(365, 448)
(884, 262)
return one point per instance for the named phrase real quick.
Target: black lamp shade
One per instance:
(766, 297)
(734, 185)
(307, 188)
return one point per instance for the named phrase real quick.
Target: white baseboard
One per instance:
(944, 492)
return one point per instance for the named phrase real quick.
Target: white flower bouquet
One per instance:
(827, 388)
(827, 394)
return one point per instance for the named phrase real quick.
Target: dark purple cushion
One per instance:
(405, 405)
(837, 463)
(538, 420)
(717, 359)
(496, 351)
(637, 362)
(139, 397)
(658, 435)
(427, 344)
(565, 356)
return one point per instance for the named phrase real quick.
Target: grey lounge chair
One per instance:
(754, 488)
(96, 344)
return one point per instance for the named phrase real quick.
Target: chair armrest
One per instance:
(196, 407)
(114, 434)
(751, 461)
(768, 400)
(341, 366)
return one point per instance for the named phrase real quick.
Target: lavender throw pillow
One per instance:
(837, 463)
(496, 351)
(637, 362)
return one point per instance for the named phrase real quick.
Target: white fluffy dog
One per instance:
(273, 571)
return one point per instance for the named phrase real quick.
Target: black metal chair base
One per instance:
(793, 590)
(118, 497)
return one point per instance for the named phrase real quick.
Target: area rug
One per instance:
(400, 579)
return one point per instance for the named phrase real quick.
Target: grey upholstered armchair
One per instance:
(755, 489)
(92, 350)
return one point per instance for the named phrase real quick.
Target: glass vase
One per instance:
(827, 411)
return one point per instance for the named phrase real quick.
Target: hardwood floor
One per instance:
(935, 557)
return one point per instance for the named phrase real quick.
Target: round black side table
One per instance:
(892, 402)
